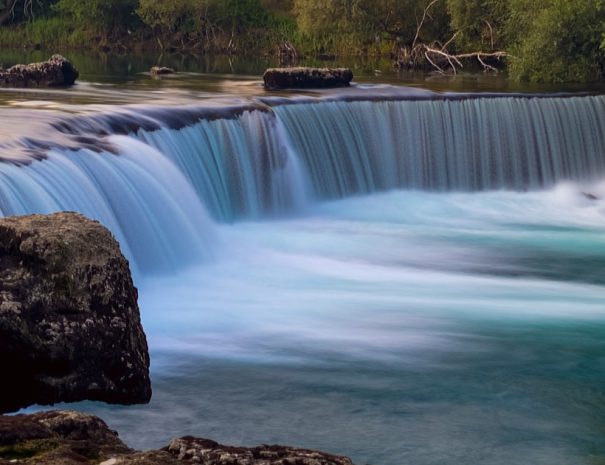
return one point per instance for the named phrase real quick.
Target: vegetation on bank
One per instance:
(549, 40)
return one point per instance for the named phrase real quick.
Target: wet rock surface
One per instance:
(70, 327)
(156, 71)
(71, 438)
(301, 78)
(208, 452)
(57, 71)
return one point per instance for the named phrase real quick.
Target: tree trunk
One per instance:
(7, 11)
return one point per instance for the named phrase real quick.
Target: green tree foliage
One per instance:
(557, 40)
(190, 16)
(479, 24)
(546, 40)
(373, 19)
(108, 16)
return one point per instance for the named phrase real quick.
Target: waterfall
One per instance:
(240, 168)
(139, 195)
(160, 178)
(468, 145)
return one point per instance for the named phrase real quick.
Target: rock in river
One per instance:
(296, 78)
(70, 327)
(57, 71)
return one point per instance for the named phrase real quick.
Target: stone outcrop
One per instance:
(57, 71)
(70, 327)
(208, 452)
(71, 438)
(57, 438)
(304, 78)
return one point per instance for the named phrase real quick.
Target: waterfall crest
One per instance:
(160, 180)
(466, 145)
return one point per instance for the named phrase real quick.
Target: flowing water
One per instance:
(388, 273)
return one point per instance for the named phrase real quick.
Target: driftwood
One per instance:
(433, 56)
(442, 61)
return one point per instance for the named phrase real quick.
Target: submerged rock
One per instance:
(66, 438)
(57, 71)
(297, 78)
(161, 71)
(70, 327)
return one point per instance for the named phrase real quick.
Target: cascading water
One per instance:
(468, 145)
(456, 317)
(270, 161)
(241, 168)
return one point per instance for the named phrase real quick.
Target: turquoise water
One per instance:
(396, 276)
(403, 327)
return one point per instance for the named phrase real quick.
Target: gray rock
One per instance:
(297, 78)
(207, 452)
(57, 71)
(70, 327)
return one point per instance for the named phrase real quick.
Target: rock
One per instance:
(57, 438)
(70, 438)
(161, 71)
(296, 78)
(589, 196)
(70, 327)
(58, 71)
(207, 452)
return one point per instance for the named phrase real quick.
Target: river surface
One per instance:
(396, 274)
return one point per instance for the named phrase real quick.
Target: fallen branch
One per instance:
(437, 58)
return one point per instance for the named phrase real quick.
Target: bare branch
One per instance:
(491, 32)
(450, 40)
(420, 24)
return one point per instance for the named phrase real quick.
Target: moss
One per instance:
(28, 449)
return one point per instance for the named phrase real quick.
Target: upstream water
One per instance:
(388, 273)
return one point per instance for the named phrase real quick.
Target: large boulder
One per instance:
(70, 327)
(71, 438)
(300, 78)
(57, 71)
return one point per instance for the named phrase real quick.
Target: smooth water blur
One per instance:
(405, 327)
(459, 324)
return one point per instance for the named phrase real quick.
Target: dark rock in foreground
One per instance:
(70, 327)
(71, 438)
(299, 78)
(58, 71)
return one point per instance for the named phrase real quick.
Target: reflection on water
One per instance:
(107, 78)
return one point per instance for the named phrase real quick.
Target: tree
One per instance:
(111, 17)
(479, 24)
(558, 40)
(396, 20)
